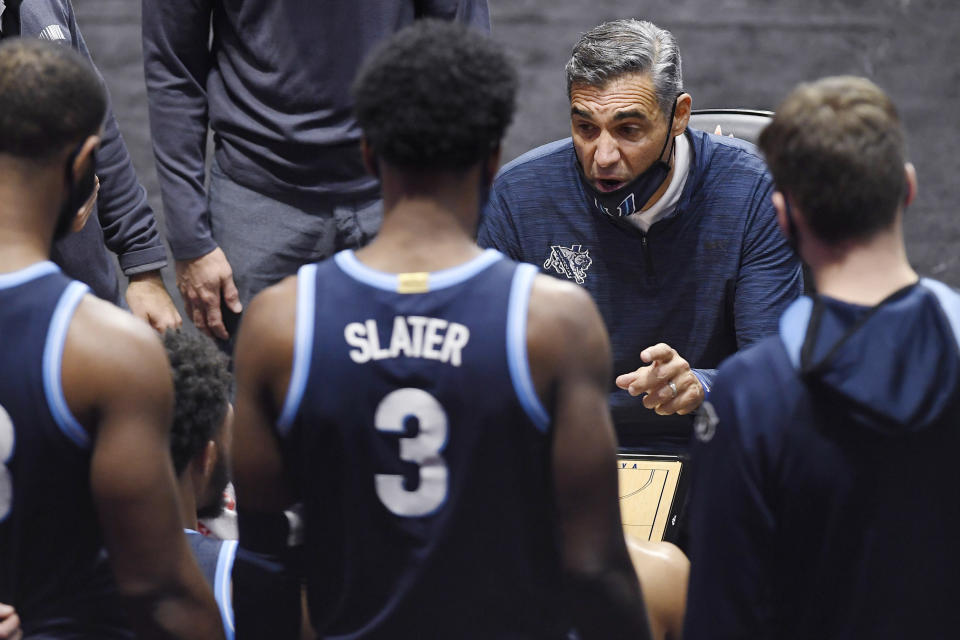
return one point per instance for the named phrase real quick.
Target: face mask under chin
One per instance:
(629, 198)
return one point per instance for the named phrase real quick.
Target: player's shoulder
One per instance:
(754, 389)
(109, 353)
(658, 563)
(568, 306)
(269, 324)
(664, 571)
(101, 330)
(564, 325)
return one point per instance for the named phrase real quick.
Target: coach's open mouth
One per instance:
(608, 185)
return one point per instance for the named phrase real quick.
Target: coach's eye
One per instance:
(586, 129)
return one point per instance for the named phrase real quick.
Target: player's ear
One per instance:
(83, 215)
(911, 175)
(369, 158)
(210, 454)
(783, 221)
(84, 156)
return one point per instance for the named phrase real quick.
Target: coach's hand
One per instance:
(667, 381)
(201, 282)
(148, 300)
(9, 623)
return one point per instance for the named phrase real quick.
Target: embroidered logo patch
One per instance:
(53, 32)
(571, 262)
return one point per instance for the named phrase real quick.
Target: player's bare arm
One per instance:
(270, 593)
(264, 362)
(570, 363)
(664, 572)
(666, 382)
(117, 383)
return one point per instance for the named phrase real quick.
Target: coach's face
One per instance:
(619, 129)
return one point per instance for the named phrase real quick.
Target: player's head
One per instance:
(627, 104)
(52, 108)
(200, 437)
(836, 149)
(436, 97)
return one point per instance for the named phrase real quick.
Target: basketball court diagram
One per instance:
(647, 490)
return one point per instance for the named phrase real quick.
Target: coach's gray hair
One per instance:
(616, 48)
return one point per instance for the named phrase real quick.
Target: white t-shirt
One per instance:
(667, 203)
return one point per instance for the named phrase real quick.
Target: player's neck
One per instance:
(863, 273)
(26, 218)
(188, 501)
(427, 226)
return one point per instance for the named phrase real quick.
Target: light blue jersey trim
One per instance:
(223, 585)
(53, 359)
(793, 327)
(348, 262)
(34, 271)
(949, 302)
(302, 346)
(517, 346)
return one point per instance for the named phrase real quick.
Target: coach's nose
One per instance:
(608, 151)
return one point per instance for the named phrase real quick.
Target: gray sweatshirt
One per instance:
(273, 84)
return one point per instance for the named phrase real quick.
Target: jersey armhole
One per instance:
(223, 585)
(949, 302)
(302, 346)
(517, 359)
(53, 362)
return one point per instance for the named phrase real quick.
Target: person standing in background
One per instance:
(287, 184)
(121, 219)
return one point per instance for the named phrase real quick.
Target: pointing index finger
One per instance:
(659, 352)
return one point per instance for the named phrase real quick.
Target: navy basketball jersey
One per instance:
(52, 567)
(423, 453)
(216, 558)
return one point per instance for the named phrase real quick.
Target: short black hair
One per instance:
(202, 384)
(436, 95)
(837, 148)
(52, 98)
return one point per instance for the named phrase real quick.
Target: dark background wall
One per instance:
(736, 53)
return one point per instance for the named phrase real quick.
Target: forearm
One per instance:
(266, 584)
(177, 61)
(129, 226)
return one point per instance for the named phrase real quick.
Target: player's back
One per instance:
(52, 566)
(415, 433)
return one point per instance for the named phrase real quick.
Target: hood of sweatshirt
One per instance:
(892, 368)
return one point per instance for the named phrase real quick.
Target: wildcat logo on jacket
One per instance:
(571, 262)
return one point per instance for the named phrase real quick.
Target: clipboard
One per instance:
(652, 493)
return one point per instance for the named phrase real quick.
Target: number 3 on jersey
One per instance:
(423, 449)
(6, 449)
